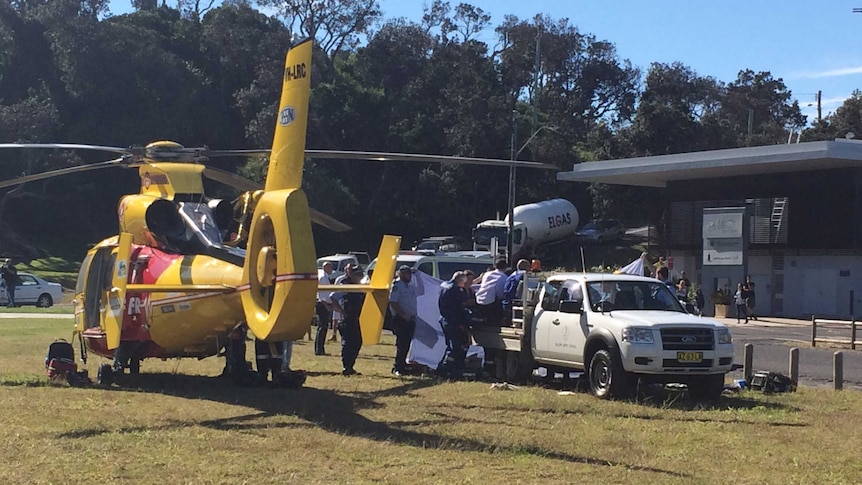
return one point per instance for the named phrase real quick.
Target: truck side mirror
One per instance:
(572, 306)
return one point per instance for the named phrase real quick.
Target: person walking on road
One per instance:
(739, 299)
(752, 298)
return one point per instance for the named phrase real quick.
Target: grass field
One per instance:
(176, 423)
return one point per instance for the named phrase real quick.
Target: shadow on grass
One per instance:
(327, 410)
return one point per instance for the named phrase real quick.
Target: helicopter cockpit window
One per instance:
(200, 217)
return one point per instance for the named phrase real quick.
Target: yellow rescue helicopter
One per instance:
(173, 283)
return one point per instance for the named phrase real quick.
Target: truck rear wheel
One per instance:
(517, 366)
(706, 388)
(608, 379)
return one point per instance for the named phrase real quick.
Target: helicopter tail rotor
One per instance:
(280, 268)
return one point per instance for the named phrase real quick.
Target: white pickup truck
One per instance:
(616, 329)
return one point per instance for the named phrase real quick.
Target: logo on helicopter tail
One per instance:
(288, 114)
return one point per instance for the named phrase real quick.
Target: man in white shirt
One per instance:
(490, 294)
(402, 304)
(323, 308)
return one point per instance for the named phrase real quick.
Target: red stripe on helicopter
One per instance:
(296, 276)
(185, 297)
(284, 277)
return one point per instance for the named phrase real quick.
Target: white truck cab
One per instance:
(621, 327)
(616, 329)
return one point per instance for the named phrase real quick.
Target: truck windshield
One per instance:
(610, 295)
(483, 235)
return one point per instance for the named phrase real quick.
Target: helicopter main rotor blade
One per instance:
(391, 157)
(231, 179)
(244, 184)
(411, 157)
(64, 171)
(68, 146)
(233, 153)
(327, 221)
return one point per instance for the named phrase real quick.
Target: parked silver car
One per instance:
(33, 290)
(601, 231)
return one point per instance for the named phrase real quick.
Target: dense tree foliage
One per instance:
(203, 72)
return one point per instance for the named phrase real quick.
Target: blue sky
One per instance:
(810, 45)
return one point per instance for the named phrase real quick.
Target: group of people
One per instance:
(491, 303)
(349, 306)
(459, 304)
(693, 303)
(745, 299)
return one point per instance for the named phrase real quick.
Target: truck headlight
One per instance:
(637, 335)
(723, 336)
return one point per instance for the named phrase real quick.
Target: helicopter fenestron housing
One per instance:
(177, 280)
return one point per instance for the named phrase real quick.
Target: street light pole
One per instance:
(510, 240)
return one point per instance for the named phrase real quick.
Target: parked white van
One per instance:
(442, 265)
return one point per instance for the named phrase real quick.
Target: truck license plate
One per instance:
(692, 357)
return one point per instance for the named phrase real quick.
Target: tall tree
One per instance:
(845, 120)
(756, 109)
(334, 24)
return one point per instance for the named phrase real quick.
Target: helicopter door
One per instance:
(97, 285)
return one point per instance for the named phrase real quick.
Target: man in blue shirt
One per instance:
(453, 318)
(510, 292)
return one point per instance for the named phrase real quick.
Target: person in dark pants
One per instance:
(751, 297)
(268, 359)
(11, 279)
(323, 309)
(350, 306)
(453, 319)
(739, 299)
(402, 304)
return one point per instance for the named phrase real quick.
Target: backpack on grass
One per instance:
(60, 360)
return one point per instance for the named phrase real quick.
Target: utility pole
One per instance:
(819, 118)
(750, 125)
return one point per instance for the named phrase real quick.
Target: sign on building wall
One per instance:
(722, 251)
(722, 236)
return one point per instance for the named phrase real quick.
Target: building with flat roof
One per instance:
(788, 215)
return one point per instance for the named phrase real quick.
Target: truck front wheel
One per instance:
(608, 379)
(706, 388)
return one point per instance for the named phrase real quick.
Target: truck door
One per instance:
(544, 316)
(568, 327)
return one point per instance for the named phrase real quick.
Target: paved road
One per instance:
(773, 338)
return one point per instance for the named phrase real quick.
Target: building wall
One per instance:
(794, 286)
(821, 286)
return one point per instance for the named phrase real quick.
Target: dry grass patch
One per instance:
(177, 423)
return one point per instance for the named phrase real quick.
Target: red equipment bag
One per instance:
(60, 361)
